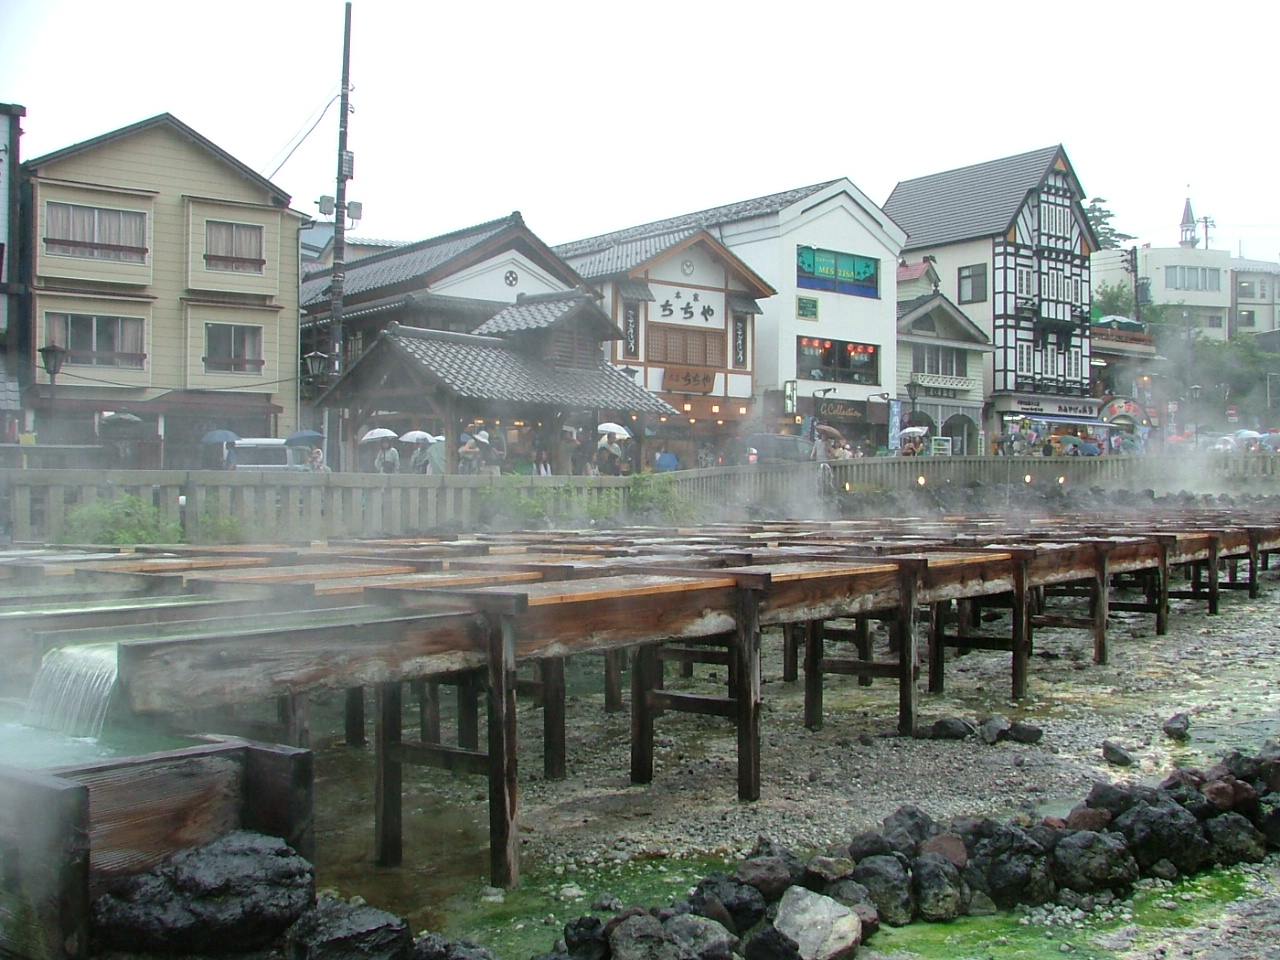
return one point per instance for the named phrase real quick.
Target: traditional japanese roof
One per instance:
(729, 213)
(173, 123)
(969, 335)
(418, 303)
(545, 310)
(967, 203)
(492, 369)
(424, 262)
(625, 257)
(629, 289)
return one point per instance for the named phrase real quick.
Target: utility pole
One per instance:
(1206, 223)
(345, 169)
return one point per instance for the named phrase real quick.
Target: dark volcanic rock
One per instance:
(336, 930)
(869, 843)
(584, 939)
(1177, 727)
(1235, 840)
(951, 728)
(1163, 830)
(1006, 863)
(887, 881)
(642, 937)
(940, 894)
(743, 903)
(1087, 861)
(241, 891)
(1023, 732)
(1116, 754)
(771, 944)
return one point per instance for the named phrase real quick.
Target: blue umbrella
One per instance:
(303, 438)
(219, 436)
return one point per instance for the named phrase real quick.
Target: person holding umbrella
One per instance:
(388, 458)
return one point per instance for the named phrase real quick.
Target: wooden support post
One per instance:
(937, 647)
(278, 790)
(908, 645)
(1099, 589)
(1215, 551)
(813, 644)
(790, 652)
(388, 813)
(1255, 556)
(614, 661)
(965, 616)
(428, 710)
(1021, 639)
(643, 668)
(862, 641)
(295, 718)
(1164, 541)
(504, 842)
(551, 672)
(355, 717)
(746, 679)
(469, 711)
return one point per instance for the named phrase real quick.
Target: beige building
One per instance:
(165, 273)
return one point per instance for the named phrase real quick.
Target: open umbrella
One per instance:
(418, 436)
(121, 417)
(1271, 440)
(1069, 440)
(219, 436)
(379, 433)
(304, 438)
(824, 430)
(617, 428)
(913, 431)
(1247, 434)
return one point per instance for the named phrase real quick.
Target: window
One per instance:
(838, 361)
(678, 345)
(1247, 289)
(1026, 359)
(1074, 364)
(1192, 278)
(1051, 360)
(1214, 321)
(972, 281)
(846, 273)
(944, 361)
(1247, 318)
(97, 341)
(232, 348)
(95, 233)
(233, 247)
(1026, 282)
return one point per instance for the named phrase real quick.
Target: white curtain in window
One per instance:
(219, 239)
(131, 338)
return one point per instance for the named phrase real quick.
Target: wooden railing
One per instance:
(35, 505)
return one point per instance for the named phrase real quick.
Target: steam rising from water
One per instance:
(72, 689)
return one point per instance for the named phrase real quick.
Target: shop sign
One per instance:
(694, 308)
(1121, 407)
(688, 380)
(739, 341)
(807, 308)
(842, 410)
(1061, 408)
(631, 330)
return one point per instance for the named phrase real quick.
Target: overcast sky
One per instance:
(589, 117)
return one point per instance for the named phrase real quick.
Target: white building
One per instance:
(831, 253)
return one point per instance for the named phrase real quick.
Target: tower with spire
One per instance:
(1188, 226)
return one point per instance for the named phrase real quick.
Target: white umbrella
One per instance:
(913, 431)
(1247, 434)
(379, 433)
(417, 436)
(614, 428)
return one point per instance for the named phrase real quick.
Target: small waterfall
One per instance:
(72, 689)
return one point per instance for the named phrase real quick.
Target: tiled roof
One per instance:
(976, 201)
(729, 213)
(488, 368)
(912, 271)
(625, 256)
(743, 303)
(404, 263)
(907, 306)
(1241, 265)
(629, 289)
(536, 313)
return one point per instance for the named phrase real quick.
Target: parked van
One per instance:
(268, 453)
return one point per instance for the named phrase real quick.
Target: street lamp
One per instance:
(913, 391)
(1194, 392)
(53, 356)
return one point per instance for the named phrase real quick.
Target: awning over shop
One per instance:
(743, 303)
(1054, 418)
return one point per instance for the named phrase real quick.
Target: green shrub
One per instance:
(123, 520)
(654, 495)
(214, 529)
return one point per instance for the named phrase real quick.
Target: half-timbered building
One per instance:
(1011, 243)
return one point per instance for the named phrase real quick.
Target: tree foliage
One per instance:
(1109, 238)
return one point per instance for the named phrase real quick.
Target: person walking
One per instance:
(388, 458)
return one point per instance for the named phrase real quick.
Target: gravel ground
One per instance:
(820, 787)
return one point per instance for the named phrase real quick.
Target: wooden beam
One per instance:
(504, 840)
(441, 757)
(553, 717)
(388, 809)
(746, 690)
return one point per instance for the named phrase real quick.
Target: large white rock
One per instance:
(824, 929)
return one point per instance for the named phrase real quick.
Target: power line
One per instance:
(304, 137)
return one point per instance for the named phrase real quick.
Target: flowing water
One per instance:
(72, 690)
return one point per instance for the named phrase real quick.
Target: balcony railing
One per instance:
(945, 382)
